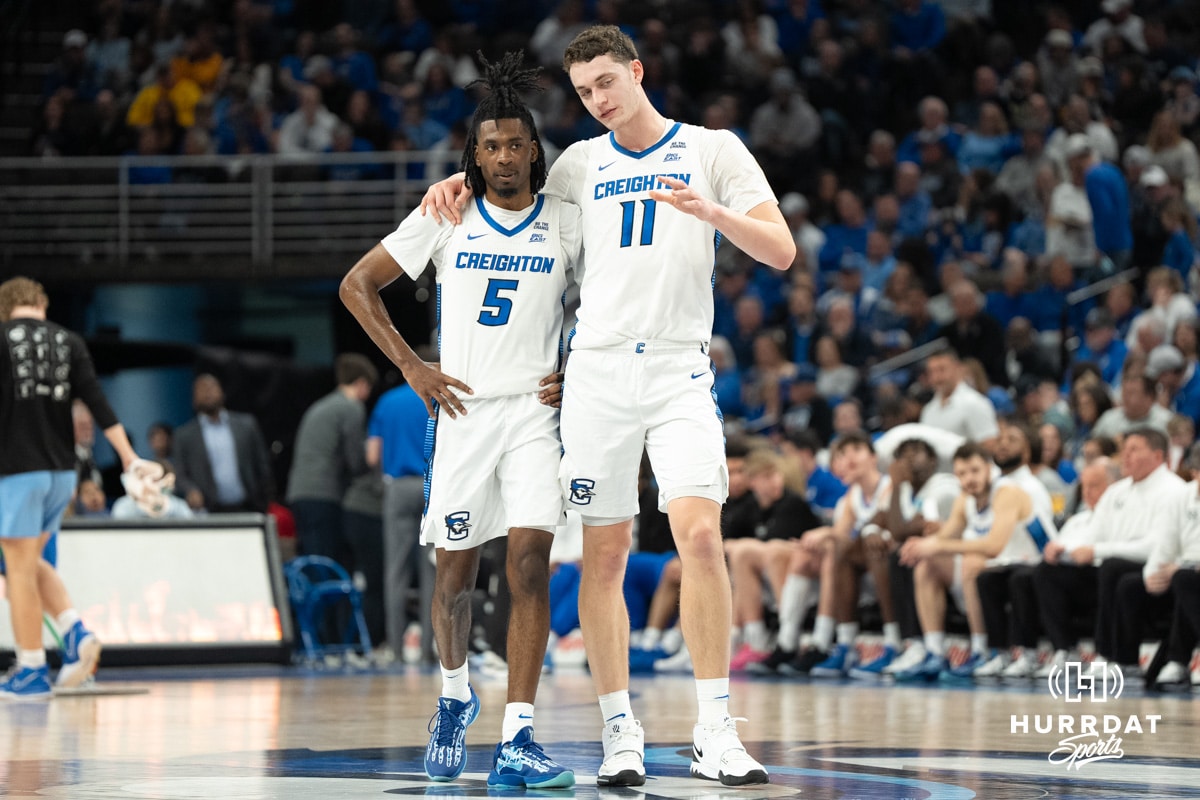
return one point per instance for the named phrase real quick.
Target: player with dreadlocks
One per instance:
(494, 449)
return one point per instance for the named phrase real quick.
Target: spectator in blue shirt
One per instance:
(408, 31)
(1180, 225)
(1109, 198)
(399, 439)
(916, 205)
(351, 64)
(822, 489)
(934, 127)
(1101, 345)
(802, 323)
(728, 383)
(344, 141)
(794, 23)
(1011, 300)
(878, 264)
(445, 103)
(917, 25)
(1178, 384)
(846, 237)
(1050, 300)
(989, 144)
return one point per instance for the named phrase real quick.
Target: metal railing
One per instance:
(189, 217)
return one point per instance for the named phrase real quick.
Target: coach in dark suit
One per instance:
(220, 456)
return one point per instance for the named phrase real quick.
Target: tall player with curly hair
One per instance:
(494, 447)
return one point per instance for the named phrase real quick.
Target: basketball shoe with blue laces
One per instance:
(964, 672)
(928, 669)
(81, 654)
(873, 670)
(841, 660)
(446, 755)
(523, 763)
(26, 683)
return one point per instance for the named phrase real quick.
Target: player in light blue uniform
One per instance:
(494, 452)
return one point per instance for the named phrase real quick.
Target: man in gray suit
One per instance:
(220, 456)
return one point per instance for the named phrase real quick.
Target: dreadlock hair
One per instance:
(505, 81)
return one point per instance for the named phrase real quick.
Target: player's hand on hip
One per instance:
(552, 390)
(434, 386)
(447, 198)
(684, 198)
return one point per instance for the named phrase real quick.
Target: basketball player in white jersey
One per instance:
(921, 500)
(995, 522)
(493, 461)
(843, 551)
(654, 193)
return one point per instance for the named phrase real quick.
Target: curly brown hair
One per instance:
(21, 292)
(596, 41)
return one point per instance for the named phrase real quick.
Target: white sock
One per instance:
(615, 706)
(935, 642)
(34, 659)
(755, 634)
(847, 632)
(735, 638)
(713, 697)
(516, 717)
(791, 610)
(672, 640)
(66, 620)
(979, 643)
(823, 632)
(651, 638)
(891, 635)
(455, 683)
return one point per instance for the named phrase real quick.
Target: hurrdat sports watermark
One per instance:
(1085, 737)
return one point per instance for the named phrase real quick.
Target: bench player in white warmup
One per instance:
(493, 464)
(656, 196)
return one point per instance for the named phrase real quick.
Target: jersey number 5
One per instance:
(497, 309)
(628, 211)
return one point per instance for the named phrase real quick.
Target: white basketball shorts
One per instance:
(492, 469)
(620, 400)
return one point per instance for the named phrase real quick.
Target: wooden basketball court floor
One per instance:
(266, 732)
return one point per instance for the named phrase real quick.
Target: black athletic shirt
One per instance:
(789, 518)
(43, 367)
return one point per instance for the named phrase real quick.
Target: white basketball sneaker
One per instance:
(1056, 663)
(624, 753)
(718, 755)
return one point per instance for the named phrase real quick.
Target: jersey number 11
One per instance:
(628, 212)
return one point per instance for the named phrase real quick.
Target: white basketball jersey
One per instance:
(1031, 534)
(649, 267)
(862, 507)
(501, 276)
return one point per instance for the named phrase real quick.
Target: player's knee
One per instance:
(672, 572)
(605, 563)
(701, 542)
(971, 567)
(528, 572)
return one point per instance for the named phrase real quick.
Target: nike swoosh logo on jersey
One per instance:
(698, 374)
(473, 236)
(606, 166)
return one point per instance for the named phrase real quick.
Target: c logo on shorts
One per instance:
(457, 525)
(581, 491)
